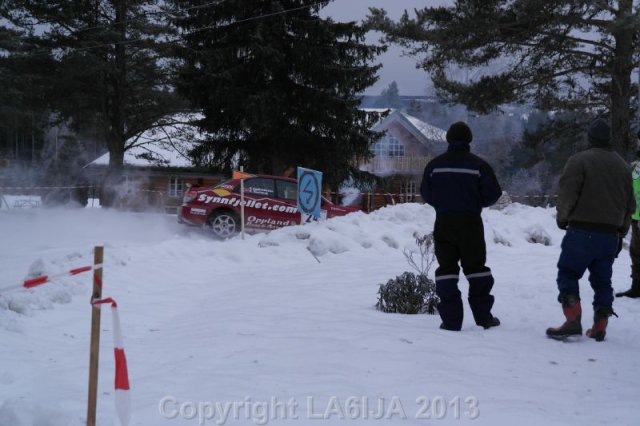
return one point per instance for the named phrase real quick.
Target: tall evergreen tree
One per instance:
(390, 97)
(574, 55)
(110, 65)
(23, 88)
(278, 85)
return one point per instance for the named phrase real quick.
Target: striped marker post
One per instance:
(123, 399)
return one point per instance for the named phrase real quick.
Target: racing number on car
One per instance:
(309, 191)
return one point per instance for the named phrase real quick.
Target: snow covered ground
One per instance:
(264, 333)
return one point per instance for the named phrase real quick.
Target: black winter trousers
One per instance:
(460, 238)
(634, 252)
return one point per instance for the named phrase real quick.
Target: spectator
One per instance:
(595, 203)
(634, 248)
(458, 184)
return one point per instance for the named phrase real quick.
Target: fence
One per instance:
(23, 197)
(132, 199)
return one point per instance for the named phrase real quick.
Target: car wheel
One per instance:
(224, 224)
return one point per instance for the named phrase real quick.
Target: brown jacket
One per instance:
(596, 190)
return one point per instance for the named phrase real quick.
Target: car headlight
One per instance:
(189, 197)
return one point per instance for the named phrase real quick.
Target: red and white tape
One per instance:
(123, 399)
(532, 196)
(43, 279)
(13, 188)
(410, 194)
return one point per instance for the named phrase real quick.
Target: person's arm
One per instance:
(631, 208)
(490, 190)
(425, 186)
(569, 189)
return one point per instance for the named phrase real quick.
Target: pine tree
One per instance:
(23, 107)
(278, 85)
(110, 65)
(390, 97)
(574, 55)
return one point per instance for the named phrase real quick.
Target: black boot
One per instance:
(493, 322)
(600, 321)
(633, 292)
(573, 314)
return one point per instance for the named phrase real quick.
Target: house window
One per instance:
(411, 188)
(408, 191)
(379, 149)
(396, 149)
(388, 146)
(176, 186)
(128, 184)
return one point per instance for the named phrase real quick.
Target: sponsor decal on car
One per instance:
(222, 192)
(251, 204)
(268, 222)
(199, 212)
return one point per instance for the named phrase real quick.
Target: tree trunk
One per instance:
(622, 68)
(116, 135)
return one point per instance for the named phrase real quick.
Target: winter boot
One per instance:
(493, 322)
(600, 322)
(633, 292)
(573, 313)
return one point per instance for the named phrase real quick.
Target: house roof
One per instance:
(422, 131)
(165, 145)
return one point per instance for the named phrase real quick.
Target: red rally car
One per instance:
(269, 203)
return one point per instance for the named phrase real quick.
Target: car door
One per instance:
(259, 194)
(286, 201)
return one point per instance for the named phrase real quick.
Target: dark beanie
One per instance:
(599, 133)
(459, 132)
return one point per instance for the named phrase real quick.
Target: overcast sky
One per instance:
(402, 70)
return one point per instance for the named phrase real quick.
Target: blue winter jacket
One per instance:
(459, 182)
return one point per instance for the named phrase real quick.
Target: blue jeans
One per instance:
(581, 250)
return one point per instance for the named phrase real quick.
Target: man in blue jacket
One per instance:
(458, 184)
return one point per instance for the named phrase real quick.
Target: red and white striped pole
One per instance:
(123, 399)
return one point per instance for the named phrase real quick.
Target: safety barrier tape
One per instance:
(13, 188)
(43, 187)
(404, 194)
(42, 279)
(121, 387)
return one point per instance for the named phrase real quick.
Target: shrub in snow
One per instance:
(537, 235)
(412, 293)
(502, 202)
(498, 238)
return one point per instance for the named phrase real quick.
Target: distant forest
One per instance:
(278, 85)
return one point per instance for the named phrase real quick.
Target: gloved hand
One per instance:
(562, 224)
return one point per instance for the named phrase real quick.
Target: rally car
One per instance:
(269, 203)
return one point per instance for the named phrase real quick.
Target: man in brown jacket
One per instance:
(595, 203)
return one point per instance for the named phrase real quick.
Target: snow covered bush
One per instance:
(412, 293)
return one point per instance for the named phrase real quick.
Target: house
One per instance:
(157, 167)
(402, 153)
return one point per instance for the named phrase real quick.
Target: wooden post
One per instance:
(242, 204)
(98, 256)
